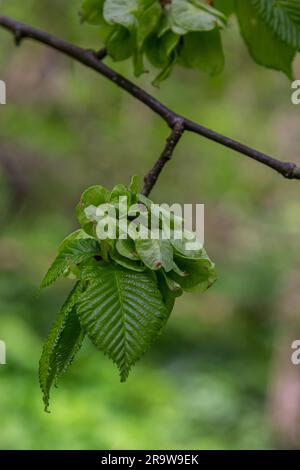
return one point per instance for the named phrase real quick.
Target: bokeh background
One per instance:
(220, 376)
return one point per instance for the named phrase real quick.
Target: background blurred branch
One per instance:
(16, 180)
(91, 60)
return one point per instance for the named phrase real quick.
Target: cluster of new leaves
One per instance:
(165, 32)
(188, 32)
(125, 285)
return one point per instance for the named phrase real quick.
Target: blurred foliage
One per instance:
(205, 383)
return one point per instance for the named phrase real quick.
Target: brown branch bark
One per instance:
(151, 178)
(91, 60)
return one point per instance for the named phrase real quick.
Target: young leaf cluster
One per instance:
(125, 287)
(166, 33)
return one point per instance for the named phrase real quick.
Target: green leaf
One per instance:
(179, 271)
(118, 191)
(167, 70)
(264, 47)
(155, 254)
(167, 294)
(173, 286)
(73, 253)
(120, 44)
(62, 344)
(183, 248)
(127, 249)
(122, 312)
(193, 15)
(147, 22)
(93, 196)
(138, 62)
(134, 184)
(121, 12)
(225, 6)
(159, 49)
(127, 263)
(93, 269)
(283, 17)
(78, 234)
(92, 11)
(203, 51)
(200, 275)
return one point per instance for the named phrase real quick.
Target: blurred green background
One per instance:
(220, 375)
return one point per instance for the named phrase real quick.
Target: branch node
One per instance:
(291, 171)
(178, 125)
(296, 172)
(101, 54)
(18, 36)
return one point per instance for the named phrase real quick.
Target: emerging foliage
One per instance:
(70, 255)
(62, 344)
(126, 287)
(188, 32)
(122, 312)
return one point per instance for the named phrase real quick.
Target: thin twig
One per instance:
(151, 178)
(91, 60)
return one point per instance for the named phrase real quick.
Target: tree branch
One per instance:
(175, 136)
(91, 60)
